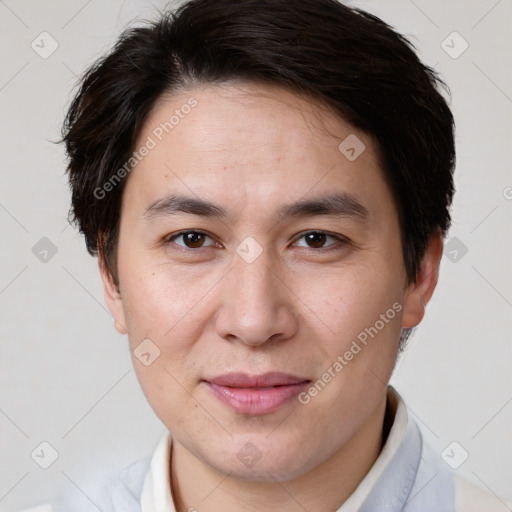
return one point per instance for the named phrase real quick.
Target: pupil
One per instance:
(194, 238)
(317, 239)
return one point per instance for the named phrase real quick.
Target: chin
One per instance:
(262, 464)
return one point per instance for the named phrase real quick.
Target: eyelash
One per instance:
(335, 246)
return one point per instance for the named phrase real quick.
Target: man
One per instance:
(267, 186)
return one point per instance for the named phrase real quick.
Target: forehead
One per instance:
(237, 117)
(247, 143)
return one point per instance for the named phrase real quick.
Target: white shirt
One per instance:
(407, 476)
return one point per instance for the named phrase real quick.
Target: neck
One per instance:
(323, 489)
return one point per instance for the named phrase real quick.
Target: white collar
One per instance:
(393, 441)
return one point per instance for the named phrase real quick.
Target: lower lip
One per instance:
(255, 401)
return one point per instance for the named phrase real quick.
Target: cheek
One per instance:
(158, 298)
(170, 311)
(354, 299)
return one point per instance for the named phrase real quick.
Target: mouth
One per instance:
(256, 394)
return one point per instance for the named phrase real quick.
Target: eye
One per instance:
(317, 239)
(194, 239)
(191, 239)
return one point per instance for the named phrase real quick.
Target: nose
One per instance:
(256, 304)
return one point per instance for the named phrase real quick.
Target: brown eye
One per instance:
(193, 239)
(317, 240)
(190, 239)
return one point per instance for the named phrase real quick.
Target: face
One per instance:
(260, 267)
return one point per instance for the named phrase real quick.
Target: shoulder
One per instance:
(40, 508)
(470, 498)
(123, 492)
(119, 492)
(439, 487)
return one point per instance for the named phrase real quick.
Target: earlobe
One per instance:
(420, 292)
(113, 297)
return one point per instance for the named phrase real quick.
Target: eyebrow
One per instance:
(339, 204)
(174, 203)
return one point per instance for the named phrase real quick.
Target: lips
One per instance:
(266, 380)
(256, 394)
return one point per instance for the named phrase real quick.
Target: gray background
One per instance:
(66, 375)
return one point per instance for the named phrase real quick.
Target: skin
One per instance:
(250, 149)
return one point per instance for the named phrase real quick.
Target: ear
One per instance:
(419, 293)
(112, 296)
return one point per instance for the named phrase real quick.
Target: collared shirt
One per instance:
(407, 476)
